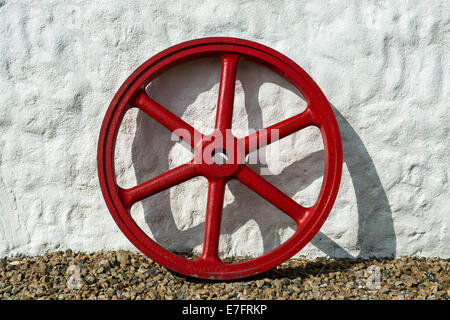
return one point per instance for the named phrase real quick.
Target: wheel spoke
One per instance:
(175, 124)
(159, 183)
(225, 102)
(214, 206)
(278, 131)
(271, 193)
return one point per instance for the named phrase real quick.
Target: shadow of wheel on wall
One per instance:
(180, 87)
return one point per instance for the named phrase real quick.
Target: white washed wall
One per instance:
(383, 65)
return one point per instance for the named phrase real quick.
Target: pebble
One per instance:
(130, 275)
(122, 257)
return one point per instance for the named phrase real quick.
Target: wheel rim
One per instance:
(318, 113)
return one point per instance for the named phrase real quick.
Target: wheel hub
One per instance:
(219, 157)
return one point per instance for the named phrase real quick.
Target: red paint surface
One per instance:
(230, 50)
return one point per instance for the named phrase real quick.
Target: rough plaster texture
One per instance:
(383, 65)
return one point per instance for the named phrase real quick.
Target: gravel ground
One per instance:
(127, 275)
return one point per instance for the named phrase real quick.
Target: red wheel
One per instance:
(318, 113)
